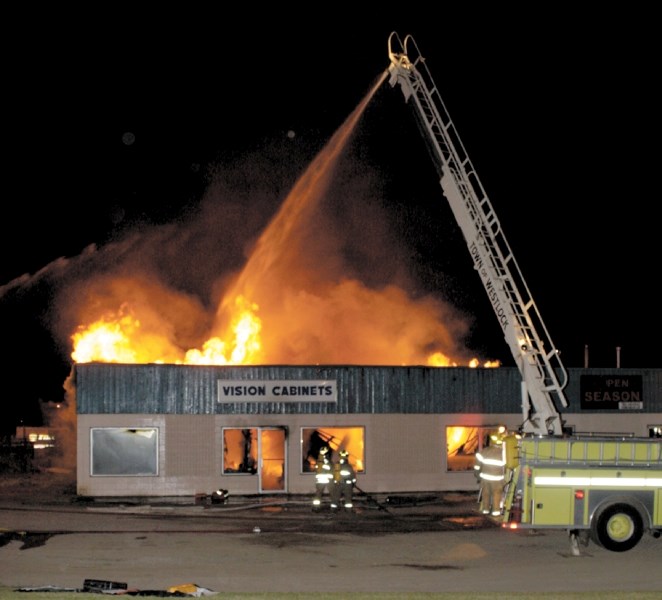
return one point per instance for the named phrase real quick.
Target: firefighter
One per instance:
(490, 471)
(323, 476)
(344, 478)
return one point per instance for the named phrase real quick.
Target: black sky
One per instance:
(555, 110)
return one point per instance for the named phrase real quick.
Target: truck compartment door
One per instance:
(552, 506)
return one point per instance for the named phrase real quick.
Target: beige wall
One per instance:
(403, 453)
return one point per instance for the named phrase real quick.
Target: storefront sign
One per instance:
(230, 391)
(617, 392)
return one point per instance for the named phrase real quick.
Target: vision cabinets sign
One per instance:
(617, 392)
(277, 391)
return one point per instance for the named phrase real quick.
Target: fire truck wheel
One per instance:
(617, 528)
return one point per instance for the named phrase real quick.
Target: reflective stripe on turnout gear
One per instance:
(491, 464)
(496, 462)
(323, 474)
(489, 477)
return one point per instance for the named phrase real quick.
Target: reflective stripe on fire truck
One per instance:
(623, 482)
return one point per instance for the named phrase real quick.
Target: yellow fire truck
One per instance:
(605, 488)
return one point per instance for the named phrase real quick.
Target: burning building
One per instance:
(182, 430)
(308, 337)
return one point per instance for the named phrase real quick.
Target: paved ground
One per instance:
(280, 545)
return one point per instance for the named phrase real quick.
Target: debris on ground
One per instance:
(116, 588)
(412, 500)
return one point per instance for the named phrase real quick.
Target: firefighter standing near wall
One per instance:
(490, 471)
(344, 478)
(323, 476)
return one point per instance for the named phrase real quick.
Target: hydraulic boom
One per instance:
(543, 374)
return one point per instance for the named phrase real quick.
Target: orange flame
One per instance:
(115, 338)
(308, 316)
(244, 346)
(107, 340)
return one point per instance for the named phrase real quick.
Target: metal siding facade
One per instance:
(105, 388)
(183, 389)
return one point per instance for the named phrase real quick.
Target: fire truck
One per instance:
(604, 488)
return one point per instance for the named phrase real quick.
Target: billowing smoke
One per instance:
(310, 246)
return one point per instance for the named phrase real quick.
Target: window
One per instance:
(351, 439)
(240, 451)
(124, 451)
(462, 443)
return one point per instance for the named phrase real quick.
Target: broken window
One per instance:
(462, 443)
(336, 438)
(240, 451)
(124, 451)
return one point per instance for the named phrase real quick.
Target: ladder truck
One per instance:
(606, 488)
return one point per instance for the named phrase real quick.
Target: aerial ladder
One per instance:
(606, 488)
(543, 375)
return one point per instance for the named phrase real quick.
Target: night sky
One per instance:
(116, 127)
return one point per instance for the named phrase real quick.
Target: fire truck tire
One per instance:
(618, 528)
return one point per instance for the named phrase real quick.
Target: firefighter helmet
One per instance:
(343, 454)
(498, 437)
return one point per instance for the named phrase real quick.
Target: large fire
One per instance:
(118, 338)
(286, 306)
